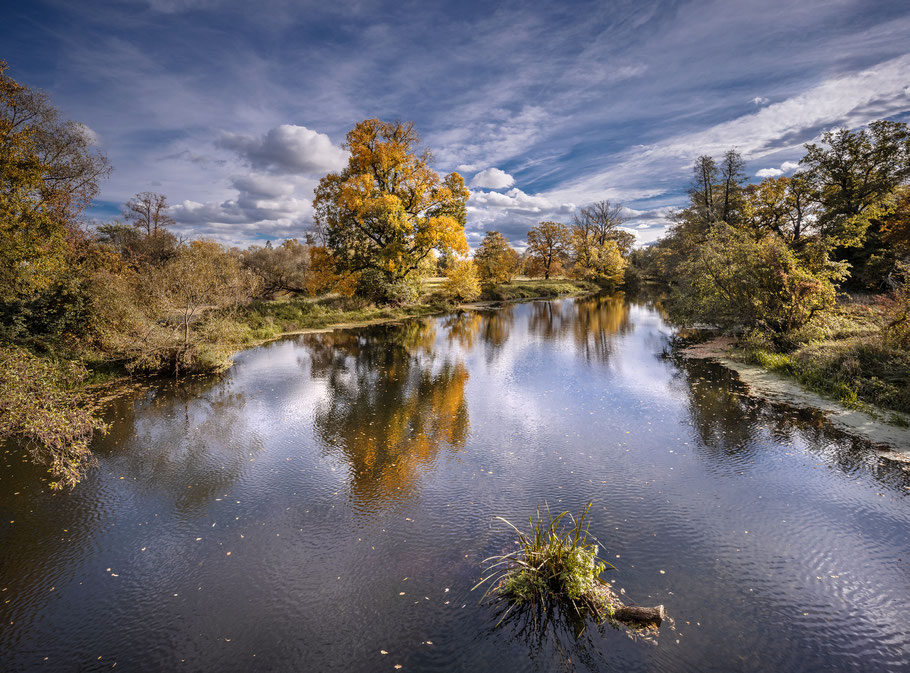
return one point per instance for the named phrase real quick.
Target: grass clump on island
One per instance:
(555, 566)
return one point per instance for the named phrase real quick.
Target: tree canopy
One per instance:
(387, 210)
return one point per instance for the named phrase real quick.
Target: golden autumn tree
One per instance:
(548, 247)
(387, 210)
(48, 174)
(496, 260)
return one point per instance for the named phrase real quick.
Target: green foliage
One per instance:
(38, 403)
(853, 371)
(555, 563)
(855, 173)
(268, 319)
(737, 280)
(374, 285)
(538, 289)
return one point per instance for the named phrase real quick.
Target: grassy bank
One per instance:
(845, 359)
(528, 288)
(266, 320)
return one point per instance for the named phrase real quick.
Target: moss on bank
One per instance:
(845, 359)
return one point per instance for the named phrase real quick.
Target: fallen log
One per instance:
(636, 614)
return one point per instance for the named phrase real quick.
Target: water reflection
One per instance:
(219, 526)
(192, 439)
(730, 424)
(391, 408)
(593, 323)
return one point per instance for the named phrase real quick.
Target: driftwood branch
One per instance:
(635, 614)
(630, 615)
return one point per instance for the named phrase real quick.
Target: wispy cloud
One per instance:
(235, 111)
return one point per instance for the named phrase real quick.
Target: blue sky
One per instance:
(236, 109)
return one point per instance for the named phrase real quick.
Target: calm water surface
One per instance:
(331, 498)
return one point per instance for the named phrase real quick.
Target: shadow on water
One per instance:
(729, 423)
(190, 439)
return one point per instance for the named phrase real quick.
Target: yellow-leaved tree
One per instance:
(387, 210)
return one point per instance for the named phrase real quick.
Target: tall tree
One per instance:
(49, 173)
(602, 220)
(496, 261)
(387, 210)
(701, 191)
(147, 212)
(855, 173)
(785, 206)
(732, 175)
(548, 246)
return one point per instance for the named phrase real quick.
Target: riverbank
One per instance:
(80, 384)
(880, 426)
(269, 320)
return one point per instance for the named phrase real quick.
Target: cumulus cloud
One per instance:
(788, 166)
(287, 149)
(759, 100)
(769, 173)
(517, 201)
(492, 178)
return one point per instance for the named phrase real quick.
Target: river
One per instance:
(327, 504)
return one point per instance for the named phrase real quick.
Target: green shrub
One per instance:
(38, 403)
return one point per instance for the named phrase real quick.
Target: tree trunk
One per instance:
(640, 615)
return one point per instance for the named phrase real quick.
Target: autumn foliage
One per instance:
(388, 210)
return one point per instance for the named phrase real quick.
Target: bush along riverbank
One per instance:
(847, 357)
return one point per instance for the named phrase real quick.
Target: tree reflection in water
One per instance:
(192, 439)
(392, 407)
(592, 321)
(730, 424)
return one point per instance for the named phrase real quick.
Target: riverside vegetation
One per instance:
(810, 271)
(84, 301)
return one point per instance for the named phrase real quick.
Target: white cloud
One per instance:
(788, 166)
(88, 133)
(517, 201)
(492, 178)
(760, 100)
(769, 173)
(849, 100)
(287, 149)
